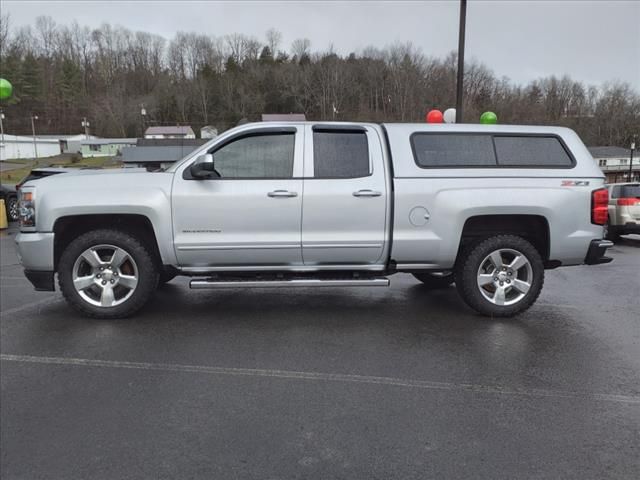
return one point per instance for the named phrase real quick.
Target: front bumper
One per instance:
(597, 249)
(35, 250)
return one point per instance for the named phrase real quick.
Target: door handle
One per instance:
(367, 193)
(282, 193)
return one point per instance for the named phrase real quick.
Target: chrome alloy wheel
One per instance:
(105, 275)
(505, 277)
(13, 209)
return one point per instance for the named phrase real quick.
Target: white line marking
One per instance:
(327, 377)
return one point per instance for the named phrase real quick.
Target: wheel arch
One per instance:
(533, 228)
(67, 228)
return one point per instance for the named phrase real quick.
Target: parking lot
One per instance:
(325, 383)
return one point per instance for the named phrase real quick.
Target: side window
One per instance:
(432, 150)
(256, 156)
(615, 192)
(514, 151)
(340, 154)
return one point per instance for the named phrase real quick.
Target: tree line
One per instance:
(63, 73)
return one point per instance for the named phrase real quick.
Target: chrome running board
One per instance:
(294, 282)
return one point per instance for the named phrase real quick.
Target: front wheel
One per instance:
(107, 274)
(501, 276)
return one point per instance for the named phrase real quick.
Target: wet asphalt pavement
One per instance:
(325, 383)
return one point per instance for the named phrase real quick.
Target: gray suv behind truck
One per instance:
(325, 204)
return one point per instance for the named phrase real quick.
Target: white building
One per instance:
(614, 163)
(16, 146)
(176, 131)
(70, 143)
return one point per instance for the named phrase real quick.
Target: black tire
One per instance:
(12, 209)
(434, 280)
(148, 274)
(469, 265)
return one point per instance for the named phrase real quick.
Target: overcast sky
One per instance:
(592, 41)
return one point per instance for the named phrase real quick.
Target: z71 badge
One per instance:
(574, 183)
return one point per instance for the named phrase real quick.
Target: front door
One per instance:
(249, 215)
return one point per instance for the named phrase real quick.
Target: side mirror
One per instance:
(203, 167)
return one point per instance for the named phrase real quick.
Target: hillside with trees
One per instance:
(63, 73)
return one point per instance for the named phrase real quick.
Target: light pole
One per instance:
(33, 130)
(633, 147)
(143, 116)
(461, 35)
(86, 126)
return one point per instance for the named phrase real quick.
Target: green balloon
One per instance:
(488, 118)
(5, 89)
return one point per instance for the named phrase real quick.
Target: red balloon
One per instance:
(435, 116)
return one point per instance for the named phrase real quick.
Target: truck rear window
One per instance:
(515, 151)
(452, 150)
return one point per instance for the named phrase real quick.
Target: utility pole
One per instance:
(33, 130)
(461, 34)
(633, 147)
(1, 133)
(143, 116)
(85, 124)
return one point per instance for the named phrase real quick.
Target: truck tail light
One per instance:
(599, 206)
(628, 202)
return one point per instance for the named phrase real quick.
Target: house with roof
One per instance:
(614, 163)
(155, 153)
(105, 147)
(175, 131)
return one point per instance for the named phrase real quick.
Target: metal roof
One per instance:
(609, 152)
(170, 130)
(109, 141)
(155, 154)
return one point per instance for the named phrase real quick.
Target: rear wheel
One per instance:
(501, 276)
(107, 274)
(435, 280)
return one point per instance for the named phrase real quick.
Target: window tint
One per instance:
(630, 191)
(451, 150)
(340, 154)
(257, 156)
(531, 151)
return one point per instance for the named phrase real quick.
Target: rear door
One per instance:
(345, 196)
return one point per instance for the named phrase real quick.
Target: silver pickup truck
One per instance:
(325, 204)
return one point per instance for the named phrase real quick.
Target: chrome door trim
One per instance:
(342, 245)
(238, 247)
